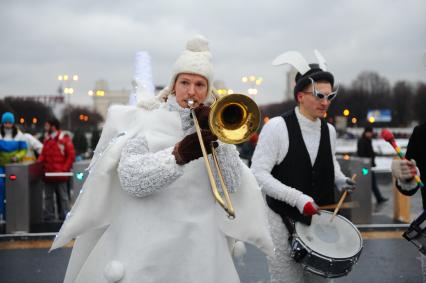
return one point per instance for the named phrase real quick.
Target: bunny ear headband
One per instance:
(306, 72)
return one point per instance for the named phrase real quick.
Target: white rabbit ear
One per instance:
(293, 58)
(321, 60)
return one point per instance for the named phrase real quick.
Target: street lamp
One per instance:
(224, 91)
(253, 82)
(221, 89)
(66, 82)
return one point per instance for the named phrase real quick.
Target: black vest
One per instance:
(297, 171)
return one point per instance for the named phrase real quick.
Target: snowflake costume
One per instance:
(140, 217)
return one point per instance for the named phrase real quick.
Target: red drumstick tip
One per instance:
(387, 135)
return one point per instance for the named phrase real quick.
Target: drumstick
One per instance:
(350, 204)
(342, 198)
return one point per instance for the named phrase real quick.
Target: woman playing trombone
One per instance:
(146, 213)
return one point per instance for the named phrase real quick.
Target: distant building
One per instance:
(103, 97)
(288, 93)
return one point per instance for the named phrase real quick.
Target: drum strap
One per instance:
(289, 224)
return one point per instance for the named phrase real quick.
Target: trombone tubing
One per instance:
(228, 206)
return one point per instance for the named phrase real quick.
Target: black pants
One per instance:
(60, 189)
(377, 194)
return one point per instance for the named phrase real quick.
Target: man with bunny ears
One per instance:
(295, 164)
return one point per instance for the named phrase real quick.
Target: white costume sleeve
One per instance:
(407, 186)
(33, 143)
(271, 150)
(338, 175)
(141, 172)
(230, 165)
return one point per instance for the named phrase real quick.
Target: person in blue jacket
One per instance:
(13, 148)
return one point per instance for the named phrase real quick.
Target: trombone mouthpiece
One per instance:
(190, 102)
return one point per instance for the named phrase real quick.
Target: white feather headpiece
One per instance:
(321, 60)
(295, 59)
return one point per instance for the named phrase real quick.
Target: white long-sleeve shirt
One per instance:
(272, 148)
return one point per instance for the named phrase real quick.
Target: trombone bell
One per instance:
(233, 118)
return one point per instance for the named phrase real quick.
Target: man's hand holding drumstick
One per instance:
(351, 186)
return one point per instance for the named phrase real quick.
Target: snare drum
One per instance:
(416, 233)
(328, 249)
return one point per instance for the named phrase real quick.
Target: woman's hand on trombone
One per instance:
(189, 149)
(202, 112)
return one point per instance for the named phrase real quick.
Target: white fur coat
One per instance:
(175, 235)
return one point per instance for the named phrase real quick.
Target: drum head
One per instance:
(336, 239)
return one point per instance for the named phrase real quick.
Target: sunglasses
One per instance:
(319, 95)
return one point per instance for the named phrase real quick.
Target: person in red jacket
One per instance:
(57, 156)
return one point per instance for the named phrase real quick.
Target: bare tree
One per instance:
(83, 118)
(420, 102)
(401, 103)
(29, 114)
(371, 83)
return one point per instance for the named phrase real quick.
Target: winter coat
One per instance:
(365, 149)
(12, 149)
(57, 155)
(177, 234)
(416, 150)
(34, 147)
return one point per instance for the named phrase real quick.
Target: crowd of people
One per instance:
(145, 212)
(54, 150)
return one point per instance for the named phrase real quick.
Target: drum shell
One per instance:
(313, 260)
(321, 265)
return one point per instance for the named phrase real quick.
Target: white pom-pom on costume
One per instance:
(198, 44)
(149, 103)
(114, 271)
(239, 249)
(163, 94)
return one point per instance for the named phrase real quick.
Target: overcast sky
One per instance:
(99, 39)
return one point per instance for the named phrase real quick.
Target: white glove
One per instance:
(306, 205)
(404, 170)
(345, 184)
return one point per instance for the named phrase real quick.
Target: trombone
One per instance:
(233, 118)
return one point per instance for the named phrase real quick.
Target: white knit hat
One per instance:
(195, 59)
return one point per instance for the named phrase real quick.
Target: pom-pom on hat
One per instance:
(195, 59)
(7, 117)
